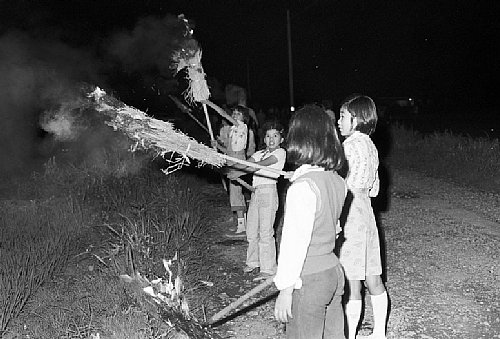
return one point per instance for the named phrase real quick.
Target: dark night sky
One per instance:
(439, 49)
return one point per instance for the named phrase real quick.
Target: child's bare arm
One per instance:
(266, 162)
(242, 167)
(216, 144)
(271, 160)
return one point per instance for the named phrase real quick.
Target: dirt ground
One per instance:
(441, 254)
(441, 259)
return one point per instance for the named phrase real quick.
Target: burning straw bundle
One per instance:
(160, 136)
(150, 133)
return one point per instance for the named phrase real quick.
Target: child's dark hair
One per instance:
(363, 108)
(273, 124)
(244, 110)
(312, 139)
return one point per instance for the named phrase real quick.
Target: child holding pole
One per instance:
(261, 251)
(360, 252)
(236, 148)
(309, 275)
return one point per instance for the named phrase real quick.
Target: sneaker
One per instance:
(263, 276)
(250, 269)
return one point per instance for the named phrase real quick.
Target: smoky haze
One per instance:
(40, 78)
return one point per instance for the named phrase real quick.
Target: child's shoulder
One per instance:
(279, 152)
(358, 138)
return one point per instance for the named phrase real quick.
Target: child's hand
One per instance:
(214, 144)
(288, 174)
(283, 306)
(233, 174)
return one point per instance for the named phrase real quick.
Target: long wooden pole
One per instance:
(208, 122)
(210, 131)
(240, 300)
(253, 164)
(290, 64)
(186, 110)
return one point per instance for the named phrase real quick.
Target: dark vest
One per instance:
(330, 190)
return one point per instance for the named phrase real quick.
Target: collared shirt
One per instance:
(298, 225)
(238, 137)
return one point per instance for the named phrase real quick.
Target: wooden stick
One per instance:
(212, 139)
(244, 184)
(240, 300)
(208, 122)
(186, 110)
(243, 162)
(252, 164)
(220, 111)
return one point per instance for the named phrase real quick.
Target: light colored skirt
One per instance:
(360, 252)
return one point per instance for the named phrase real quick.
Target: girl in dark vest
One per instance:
(309, 275)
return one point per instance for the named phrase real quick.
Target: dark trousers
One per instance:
(317, 307)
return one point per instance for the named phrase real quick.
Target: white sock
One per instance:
(379, 305)
(241, 225)
(352, 313)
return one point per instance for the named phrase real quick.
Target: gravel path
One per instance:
(442, 265)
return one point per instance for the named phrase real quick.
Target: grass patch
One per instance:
(97, 223)
(36, 242)
(471, 161)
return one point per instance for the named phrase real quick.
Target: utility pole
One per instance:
(290, 65)
(249, 92)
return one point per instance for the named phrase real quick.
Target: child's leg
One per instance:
(253, 232)
(334, 322)
(353, 308)
(309, 305)
(380, 303)
(242, 224)
(268, 205)
(238, 204)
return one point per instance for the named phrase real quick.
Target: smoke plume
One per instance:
(39, 100)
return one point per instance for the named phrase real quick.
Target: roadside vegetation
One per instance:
(474, 162)
(70, 231)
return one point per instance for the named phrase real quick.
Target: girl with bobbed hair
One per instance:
(309, 275)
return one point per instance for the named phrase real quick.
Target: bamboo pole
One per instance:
(221, 314)
(244, 184)
(208, 122)
(220, 111)
(210, 131)
(186, 110)
(225, 156)
(252, 164)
